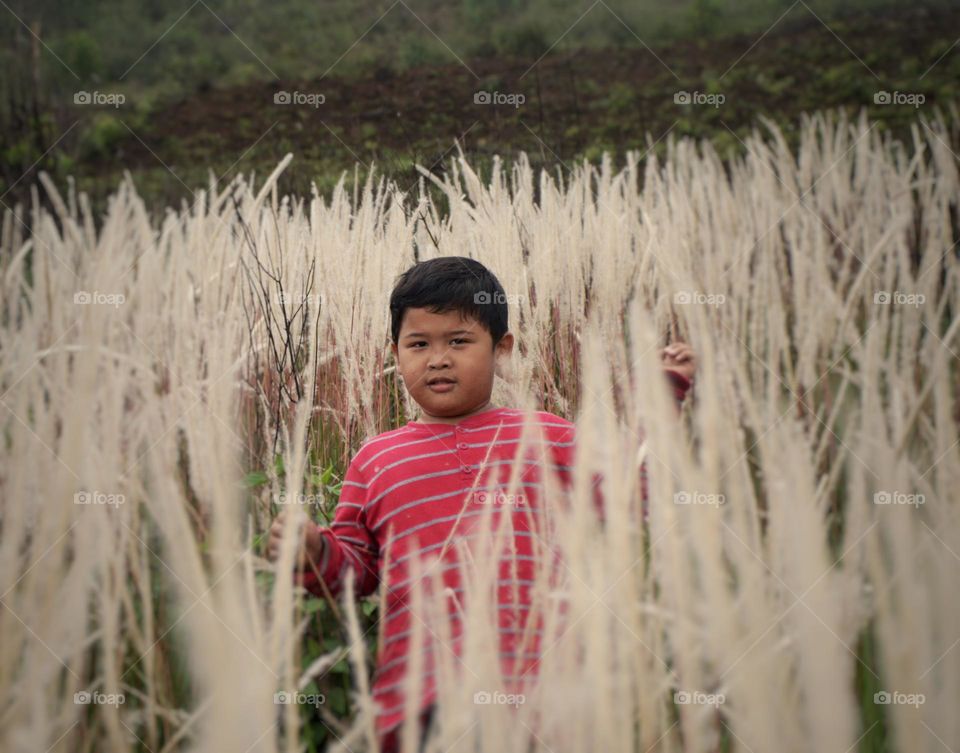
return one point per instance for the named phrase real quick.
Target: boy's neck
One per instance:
(486, 407)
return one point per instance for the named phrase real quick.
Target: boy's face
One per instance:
(448, 362)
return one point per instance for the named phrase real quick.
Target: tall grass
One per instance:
(803, 541)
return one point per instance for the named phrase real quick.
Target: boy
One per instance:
(413, 491)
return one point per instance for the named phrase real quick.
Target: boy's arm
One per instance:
(680, 365)
(346, 545)
(680, 384)
(681, 388)
(564, 455)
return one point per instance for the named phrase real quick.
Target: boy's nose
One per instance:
(439, 359)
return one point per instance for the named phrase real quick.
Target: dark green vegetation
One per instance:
(200, 83)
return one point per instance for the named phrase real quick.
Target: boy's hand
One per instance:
(679, 357)
(311, 542)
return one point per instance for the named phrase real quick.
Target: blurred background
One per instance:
(173, 90)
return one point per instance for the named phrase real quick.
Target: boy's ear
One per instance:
(502, 354)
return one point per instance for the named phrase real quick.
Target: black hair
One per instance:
(451, 283)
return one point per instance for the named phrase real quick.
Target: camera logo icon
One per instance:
(283, 698)
(682, 98)
(881, 98)
(482, 98)
(83, 698)
(881, 297)
(482, 297)
(482, 697)
(281, 98)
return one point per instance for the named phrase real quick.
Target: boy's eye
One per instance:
(454, 340)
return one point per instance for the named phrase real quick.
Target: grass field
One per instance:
(170, 380)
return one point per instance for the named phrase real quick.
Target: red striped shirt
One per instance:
(414, 492)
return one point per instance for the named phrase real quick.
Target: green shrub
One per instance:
(101, 135)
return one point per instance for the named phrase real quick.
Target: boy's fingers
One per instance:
(279, 524)
(683, 353)
(275, 538)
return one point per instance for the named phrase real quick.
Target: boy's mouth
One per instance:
(441, 384)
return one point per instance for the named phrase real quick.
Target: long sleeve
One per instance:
(681, 387)
(347, 543)
(564, 455)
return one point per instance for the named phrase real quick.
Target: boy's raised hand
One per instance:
(679, 357)
(311, 542)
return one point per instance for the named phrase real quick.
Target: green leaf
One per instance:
(265, 579)
(254, 479)
(337, 700)
(327, 476)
